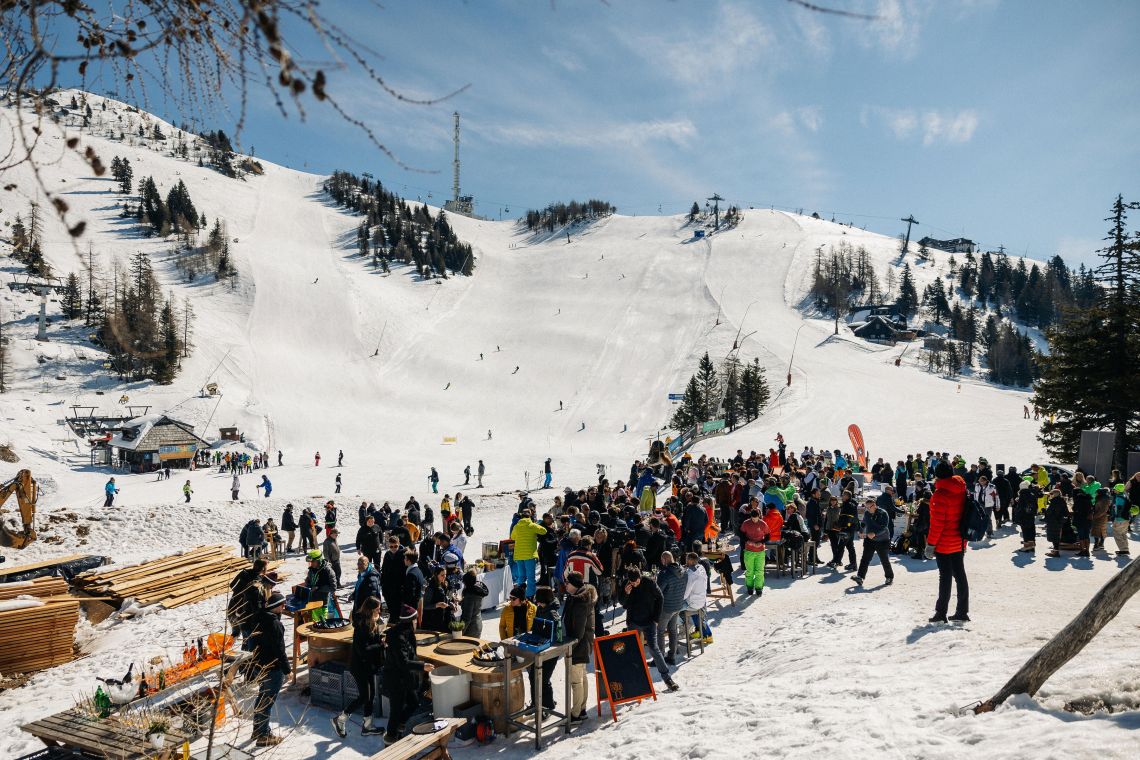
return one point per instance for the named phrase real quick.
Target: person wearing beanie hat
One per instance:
(945, 543)
(471, 604)
(643, 601)
(400, 672)
(518, 615)
(578, 623)
(364, 661)
(271, 659)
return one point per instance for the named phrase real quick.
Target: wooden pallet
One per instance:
(36, 637)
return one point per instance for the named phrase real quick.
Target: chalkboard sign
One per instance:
(621, 671)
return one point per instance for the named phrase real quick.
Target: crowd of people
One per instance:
(652, 545)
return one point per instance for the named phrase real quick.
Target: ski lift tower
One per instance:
(459, 204)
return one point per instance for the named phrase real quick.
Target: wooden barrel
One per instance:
(328, 646)
(487, 689)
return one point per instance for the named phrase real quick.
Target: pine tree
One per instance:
(908, 296)
(732, 397)
(1090, 379)
(125, 177)
(694, 212)
(935, 300)
(691, 409)
(72, 301)
(754, 391)
(709, 385)
(167, 355)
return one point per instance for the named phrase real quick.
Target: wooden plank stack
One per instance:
(171, 581)
(39, 636)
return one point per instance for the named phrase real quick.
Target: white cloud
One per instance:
(934, 126)
(804, 118)
(563, 58)
(814, 35)
(704, 58)
(898, 26)
(680, 132)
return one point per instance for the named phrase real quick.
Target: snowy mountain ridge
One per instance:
(312, 349)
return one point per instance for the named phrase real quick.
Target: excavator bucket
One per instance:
(26, 491)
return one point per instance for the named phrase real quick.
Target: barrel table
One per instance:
(488, 683)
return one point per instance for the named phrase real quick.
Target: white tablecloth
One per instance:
(499, 585)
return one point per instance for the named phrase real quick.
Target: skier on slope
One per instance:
(546, 471)
(266, 485)
(110, 490)
(317, 459)
(433, 477)
(480, 472)
(467, 475)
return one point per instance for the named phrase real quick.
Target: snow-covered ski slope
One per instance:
(608, 324)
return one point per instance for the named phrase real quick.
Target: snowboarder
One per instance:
(447, 386)
(266, 485)
(582, 428)
(187, 490)
(546, 471)
(434, 478)
(467, 475)
(480, 356)
(317, 460)
(560, 406)
(497, 349)
(340, 459)
(110, 490)
(516, 370)
(338, 482)
(481, 470)
(235, 485)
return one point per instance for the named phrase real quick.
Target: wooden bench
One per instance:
(426, 746)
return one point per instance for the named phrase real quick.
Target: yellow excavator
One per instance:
(27, 493)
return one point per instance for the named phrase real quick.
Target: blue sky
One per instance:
(1007, 122)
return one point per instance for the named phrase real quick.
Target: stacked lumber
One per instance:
(36, 633)
(170, 581)
(40, 587)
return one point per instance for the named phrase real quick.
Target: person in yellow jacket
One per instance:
(518, 615)
(525, 535)
(187, 490)
(1041, 478)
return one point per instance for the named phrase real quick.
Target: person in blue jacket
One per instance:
(110, 490)
(266, 485)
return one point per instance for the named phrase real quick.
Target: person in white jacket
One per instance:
(987, 496)
(696, 596)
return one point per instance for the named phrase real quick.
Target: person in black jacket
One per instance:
(392, 572)
(1056, 513)
(364, 662)
(320, 578)
(271, 659)
(246, 600)
(1025, 515)
(546, 608)
(437, 609)
(306, 523)
(694, 521)
(289, 525)
(367, 584)
(642, 601)
(400, 672)
(368, 540)
(578, 624)
(657, 542)
(413, 580)
(252, 538)
(466, 508)
(1005, 495)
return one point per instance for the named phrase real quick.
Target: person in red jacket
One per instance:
(753, 534)
(945, 543)
(775, 523)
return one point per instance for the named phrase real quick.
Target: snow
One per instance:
(608, 324)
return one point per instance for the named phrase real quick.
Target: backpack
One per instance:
(972, 526)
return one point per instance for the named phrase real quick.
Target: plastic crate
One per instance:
(326, 685)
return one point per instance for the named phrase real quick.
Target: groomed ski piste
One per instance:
(608, 324)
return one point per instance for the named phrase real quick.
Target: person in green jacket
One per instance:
(525, 535)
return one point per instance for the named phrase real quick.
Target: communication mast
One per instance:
(459, 204)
